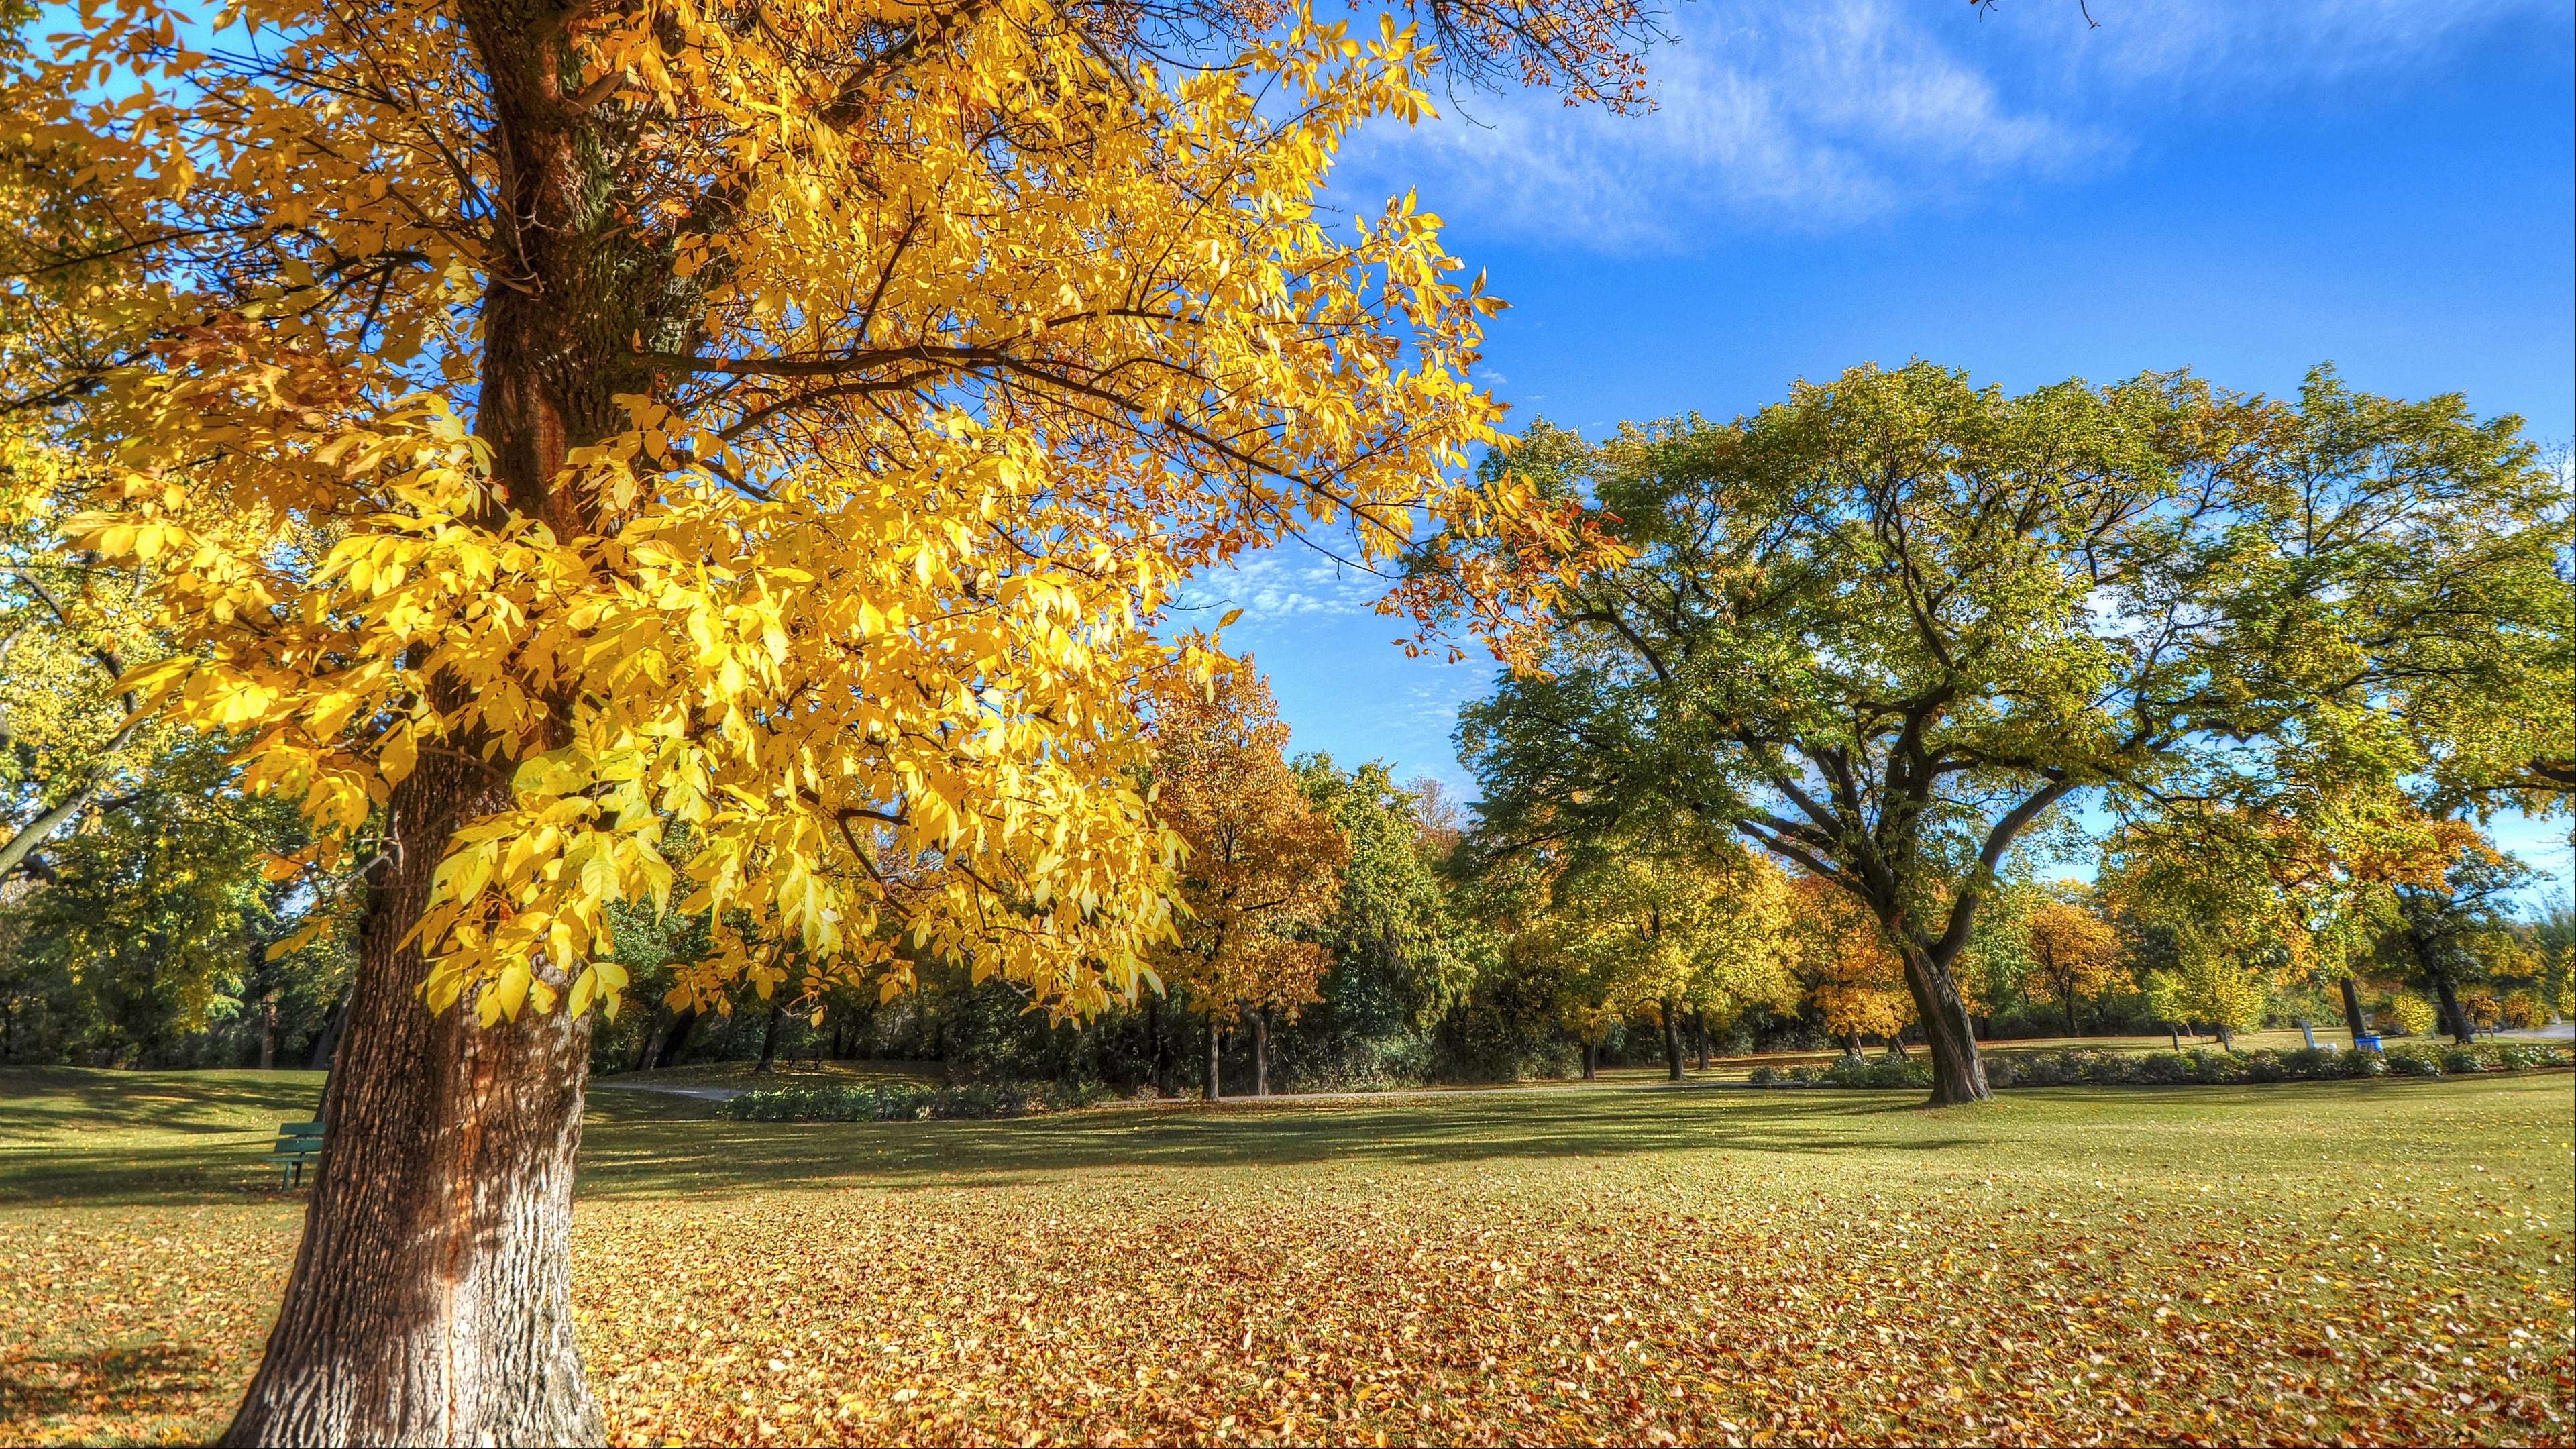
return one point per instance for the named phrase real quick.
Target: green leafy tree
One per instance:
(156, 923)
(2215, 980)
(2446, 931)
(1396, 963)
(1886, 628)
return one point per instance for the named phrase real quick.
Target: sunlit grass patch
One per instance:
(2385, 1262)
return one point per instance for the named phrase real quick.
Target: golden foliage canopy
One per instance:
(785, 422)
(1262, 866)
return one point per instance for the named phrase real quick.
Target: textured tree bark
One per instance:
(1158, 1065)
(1958, 1072)
(1215, 1089)
(328, 1043)
(2453, 1018)
(1261, 1051)
(653, 1029)
(2352, 1011)
(769, 1035)
(430, 1301)
(1699, 1020)
(268, 1032)
(1591, 1061)
(1672, 1040)
(676, 1039)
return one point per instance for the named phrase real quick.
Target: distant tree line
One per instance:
(1787, 777)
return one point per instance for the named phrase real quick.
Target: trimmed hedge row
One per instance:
(906, 1103)
(2083, 1067)
(1849, 1072)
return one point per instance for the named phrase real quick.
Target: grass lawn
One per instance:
(2380, 1261)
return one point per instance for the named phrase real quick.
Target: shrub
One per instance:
(2200, 1067)
(2523, 1010)
(2314, 1063)
(893, 1104)
(2517, 1056)
(2217, 1069)
(2165, 1068)
(2110, 1069)
(2411, 1015)
(1899, 1074)
(2042, 1069)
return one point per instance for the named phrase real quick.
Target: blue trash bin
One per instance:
(2368, 1044)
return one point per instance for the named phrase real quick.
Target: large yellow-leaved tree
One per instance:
(550, 420)
(1262, 867)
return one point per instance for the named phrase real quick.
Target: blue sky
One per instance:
(2246, 189)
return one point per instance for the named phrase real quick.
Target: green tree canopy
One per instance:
(1889, 626)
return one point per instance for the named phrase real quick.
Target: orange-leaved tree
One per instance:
(1262, 867)
(553, 419)
(1854, 978)
(2074, 953)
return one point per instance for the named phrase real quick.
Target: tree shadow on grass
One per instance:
(648, 1159)
(215, 1169)
(43, 1102)
(108, 1387)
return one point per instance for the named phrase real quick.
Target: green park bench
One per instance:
(297, 1144)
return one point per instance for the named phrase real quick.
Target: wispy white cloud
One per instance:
(2226, 47)
(1271, 588)
(1818, 116)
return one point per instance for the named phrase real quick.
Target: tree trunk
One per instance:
(1156, 1063)
(1672, 1040)
(676, 1037)
(769, 1035)
(2226, 1039)
(1591, 1061)
(1699, 1021)
(2352, 1011)
(2071, 1028)
(2457, 1019)
(430, 1301)
(653, 1029)
(328, 1043)
(1261, 1051)
(1958, 1072)
(1215, 1089)
(268, 1032)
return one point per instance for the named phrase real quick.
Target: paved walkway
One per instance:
(703, 1094)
